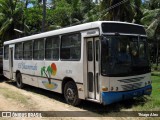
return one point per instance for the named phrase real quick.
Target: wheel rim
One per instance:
(18, 80)
(70, 95)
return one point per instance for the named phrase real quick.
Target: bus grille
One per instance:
(132, 86)
(131, 80)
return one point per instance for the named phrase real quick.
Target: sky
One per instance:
(30, 5)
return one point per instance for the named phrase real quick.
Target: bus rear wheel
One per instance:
(71, 93)
(19, 80)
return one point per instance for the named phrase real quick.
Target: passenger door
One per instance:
(93, 67)
(11, 61)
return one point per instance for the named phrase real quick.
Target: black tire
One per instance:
(19, 80)
(71, 93)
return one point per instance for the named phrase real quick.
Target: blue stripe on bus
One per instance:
(111, 97)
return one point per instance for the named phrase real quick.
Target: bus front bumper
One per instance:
(112, 97)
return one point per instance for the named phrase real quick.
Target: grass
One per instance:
(155, 67)
(8, 94)
(151, 103)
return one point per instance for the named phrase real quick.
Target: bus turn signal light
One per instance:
(104, 89)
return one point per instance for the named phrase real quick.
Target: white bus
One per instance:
(102, 61)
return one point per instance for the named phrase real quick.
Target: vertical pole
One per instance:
(44, 16)
(157, 56)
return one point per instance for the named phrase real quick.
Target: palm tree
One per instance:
(47, 71)
(153, 4)
(44, 15)
(151, 21)
(121, 10)
(9, 20)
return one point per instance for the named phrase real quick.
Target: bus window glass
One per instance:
(52, 48)
(105, 55)
(71, 47)
(6, 52)
(38, 49)
(126, 52)
(97, 50)
(18, 51)
(27, 49)
(90, 53)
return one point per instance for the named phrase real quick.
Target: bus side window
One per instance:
(71, 47)
(52, 48)
(38, 49)
(18, 51)
(27, 50)
(6, 52)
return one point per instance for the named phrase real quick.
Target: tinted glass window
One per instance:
(6, 52)
(52, 48)
(127, 56)
(27, 49)
(122, 28)
(97, 49)
(90, 54)
(38, 49)
(71, 47)
(18, 51)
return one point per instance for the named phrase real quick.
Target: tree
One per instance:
(62, 13)
(121, 10)
(151, 21)
(153, 4)
(44, 16)
(90, 10)
(11, 18)
(35, 25)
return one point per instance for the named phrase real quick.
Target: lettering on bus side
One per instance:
(68, 71)
(23, 65)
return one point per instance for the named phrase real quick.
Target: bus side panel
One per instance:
(6, 72)
(27, 68)
(52, 84)
(57, 71)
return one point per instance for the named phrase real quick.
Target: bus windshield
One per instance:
(124, 55)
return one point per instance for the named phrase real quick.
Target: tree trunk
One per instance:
(44, 16)
(157, 54)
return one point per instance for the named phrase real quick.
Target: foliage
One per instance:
(11, 16)
(151, 21)
(16, 14)
(36, 23)
(62, 13)
(123, 10)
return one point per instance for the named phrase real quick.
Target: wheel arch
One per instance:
(65, 80)
(17, 71)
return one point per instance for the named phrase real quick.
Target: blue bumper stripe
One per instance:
(111, 97)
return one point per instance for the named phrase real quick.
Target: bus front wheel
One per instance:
(19, 80)
(71, 93)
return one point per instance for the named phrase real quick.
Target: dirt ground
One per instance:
(36, 99)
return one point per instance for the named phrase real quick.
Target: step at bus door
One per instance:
(93, 67)
(11, 61)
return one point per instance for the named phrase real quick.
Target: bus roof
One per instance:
(76, 28)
